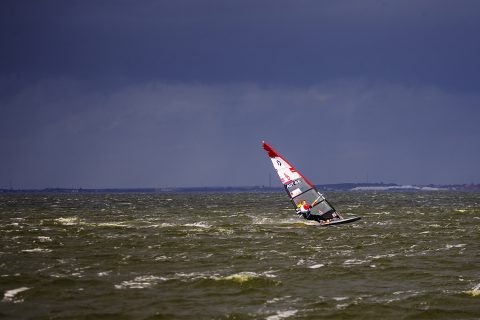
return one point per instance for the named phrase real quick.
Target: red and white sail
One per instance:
(285, 170)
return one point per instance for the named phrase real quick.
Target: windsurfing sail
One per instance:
(300, 189)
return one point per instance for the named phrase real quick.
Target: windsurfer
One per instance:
(303, 209)
(316, 207)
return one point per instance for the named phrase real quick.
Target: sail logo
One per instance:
(293, 183)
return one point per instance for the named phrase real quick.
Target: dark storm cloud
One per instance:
(159, 93)
(305, 42)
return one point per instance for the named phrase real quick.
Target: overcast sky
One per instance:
(117, 94)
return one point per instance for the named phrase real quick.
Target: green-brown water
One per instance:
(238, 256)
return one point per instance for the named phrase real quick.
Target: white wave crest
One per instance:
(475, 292)
(37, 250)
(140, 282)
(9, 295)
(450, 246)
(111, 225)
(200, 224)
(44, 239)
(352, 262)
(282, 315)
(72, 221)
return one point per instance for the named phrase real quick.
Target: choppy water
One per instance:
(238, 256)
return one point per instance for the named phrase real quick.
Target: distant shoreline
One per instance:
(326, 187)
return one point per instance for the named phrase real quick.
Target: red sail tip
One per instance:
(271, 153)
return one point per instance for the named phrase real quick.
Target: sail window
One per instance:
(322, 207)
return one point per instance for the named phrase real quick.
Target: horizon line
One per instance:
(342, 185)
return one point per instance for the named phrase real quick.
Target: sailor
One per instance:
(303, 209)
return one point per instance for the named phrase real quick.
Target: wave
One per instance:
(353, 262)
(475, 292)
(36, 250)
(71, 221)
(200, 224)
(140, 282)
(44, 239)
(243, 277)
(148, 281)
(10, 295)
(110, 225)
(282, 314)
